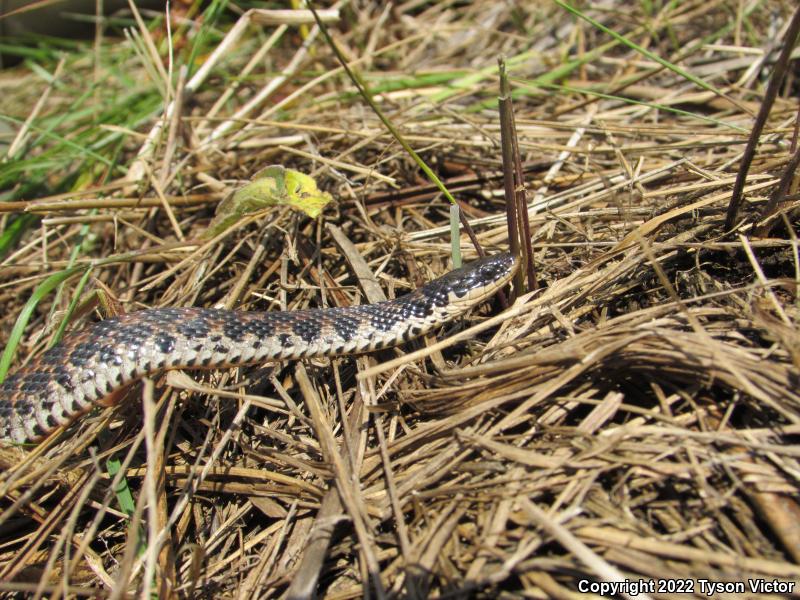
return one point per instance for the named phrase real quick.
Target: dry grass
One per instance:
(636, 417)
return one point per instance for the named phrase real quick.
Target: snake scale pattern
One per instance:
(94, 365)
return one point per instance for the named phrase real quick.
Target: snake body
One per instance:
(92, 365)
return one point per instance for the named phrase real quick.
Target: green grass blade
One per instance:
(654, 105)
(125, 500)
(13, 232)
(76, 295)
(42, 290)
(645, 52)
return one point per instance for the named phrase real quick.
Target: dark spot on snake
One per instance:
(108, 354)
(422, 309)
(46, 405)
(221, 349)
(132, 336)
(165, 343)
(25, 408)
(194, 328)
(50, 419)
(237, 329)
(256, 344)
(285, 340)
(346, 327)
(435, 296)
(62, 378)
(53, 356)
(263, 328)
(82, 353)
(384, 321)
(307, 330)
(155, 315)
(9, 385)
(205, 362)
(118, 378)
(215, 338)
(174, 313)
(34, 383)
(233, 331)
(102, 328)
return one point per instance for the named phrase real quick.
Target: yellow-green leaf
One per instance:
(272, 186)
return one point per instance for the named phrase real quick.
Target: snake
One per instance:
(94, 365)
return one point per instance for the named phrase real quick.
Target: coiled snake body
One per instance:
(92, 365)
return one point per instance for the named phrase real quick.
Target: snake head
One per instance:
(472, 283)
